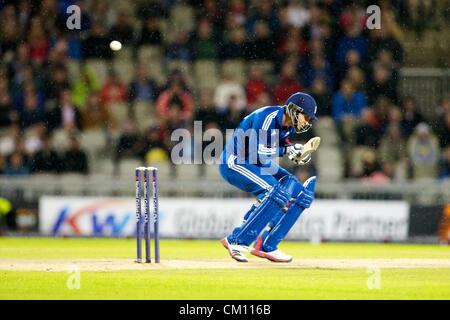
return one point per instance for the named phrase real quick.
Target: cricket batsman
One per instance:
(247, 162)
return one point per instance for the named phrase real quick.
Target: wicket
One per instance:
(147, 190)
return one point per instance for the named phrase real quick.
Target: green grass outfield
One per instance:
(258, 279)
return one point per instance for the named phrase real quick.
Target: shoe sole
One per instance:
(225, 244)
(264, 255)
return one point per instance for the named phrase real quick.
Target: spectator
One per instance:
(292, 43)
(7, 114)
(356, 76)
(233, 114)
(46, 159)
(367, 133)
(214, 11)
(318, 68)
(204, 45)
(122, 31)
(150, 9)
(10, 34)
(15, 67)
(38, 41)
(392, 147)
(177, 93)
(65, 115)
(255, 84)
(382, 107)
(31, 114)
(381, 84)
(86, 85)
(352, 40)
(8, 141)
(443, 107)
(153, 139)
(96, 45)
(172, 120)
(263, 99)
(75, 159)
(206, 111)
(150, 33)
(180, 49)
(298, 16)
(383, 39)
(264, 11)
(262, 45)
(371, 168)
(56, 80)
(347, 102)
(17, 165)
(321, 94)
(411, 116)
(443, 131)
(113, 90)
(423, 153)
(238, 10)
(287, 85)
(444, 165)
(28, 88)
(142, 88)
(228, 87)
(235, 46)
(128, 143)
(95, 115)
(395, 116)
(33, 138)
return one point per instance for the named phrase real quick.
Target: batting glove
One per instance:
(295, 152)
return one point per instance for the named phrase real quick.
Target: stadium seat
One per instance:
(149, 53)
(165, 170)
(156, 71)
(185, 68)
(72, 184)
(267, 67)
(124, 55)
(212, 172)
(356, 158)
(237, 68)
(44, 183)
(119, 111)
(59, 140)
(206, 74)
(329, 164)
(127, 167)
(73, 67)
(445, 187)
(188, 172)
(93, 142)
(144, 114)
(182, 17)
(99, 68)
(125, 70)
(104, 167)
(326, 130)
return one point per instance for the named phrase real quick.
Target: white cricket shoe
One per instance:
(235, 250)
(275, 256)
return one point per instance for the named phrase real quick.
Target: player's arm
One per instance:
(265, 128)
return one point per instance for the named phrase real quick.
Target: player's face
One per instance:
(303, 122)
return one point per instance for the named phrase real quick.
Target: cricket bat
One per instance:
(310, 147)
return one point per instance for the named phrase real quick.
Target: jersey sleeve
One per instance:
(269, 143)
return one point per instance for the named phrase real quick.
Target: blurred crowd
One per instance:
(321, 47)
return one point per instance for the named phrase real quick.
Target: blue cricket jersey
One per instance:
(259, 137)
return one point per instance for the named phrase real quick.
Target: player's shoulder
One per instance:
(266, 111)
